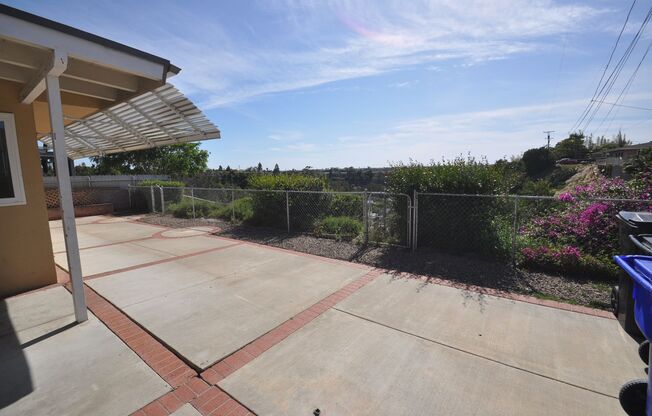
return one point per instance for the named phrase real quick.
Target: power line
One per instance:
(613, 50)
(615, 73)
(626, 106)
(625, 90)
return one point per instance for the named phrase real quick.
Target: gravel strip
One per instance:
(467, 269)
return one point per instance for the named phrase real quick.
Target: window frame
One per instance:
(14, 162)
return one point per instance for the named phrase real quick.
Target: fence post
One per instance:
(192, 198)
(90, 182)
(515, 230)
(287, 209)
(415, 220)
(131, 204)
(160, 188)
(151, 194)
(365, 217)
(409, 212)
(232, 205)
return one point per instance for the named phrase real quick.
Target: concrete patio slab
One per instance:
(344, 365)
(30, 316)
(578, 349)
(105, 259)
(91, 234)
(55, 367)
(180, 246)
(210, 305)
(186, 410)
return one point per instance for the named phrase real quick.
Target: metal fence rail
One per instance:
(376, 217)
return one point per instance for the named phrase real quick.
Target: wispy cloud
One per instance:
(320, 42)
(403, 84)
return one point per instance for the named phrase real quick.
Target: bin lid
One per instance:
(636, 217)
(643, 242)
(643, 265)
(639, 268)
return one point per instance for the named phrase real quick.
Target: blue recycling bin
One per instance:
(640, 270)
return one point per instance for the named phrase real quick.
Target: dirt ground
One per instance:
(467, 269)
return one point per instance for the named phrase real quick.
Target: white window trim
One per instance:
(14, 162)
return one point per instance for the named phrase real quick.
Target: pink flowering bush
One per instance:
(579, 234)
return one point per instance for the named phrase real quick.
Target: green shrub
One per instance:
(202, 209)
(240, 209)
(458, 176)
(269, 204)
(340, 227)
(538, 188)
(162, 183)
(349, 205)
(288, 182)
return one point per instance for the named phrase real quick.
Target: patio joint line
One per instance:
(443, 344)
(109, 244)
(167, 260)
(241, 357)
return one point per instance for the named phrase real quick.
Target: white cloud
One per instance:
(336, 40)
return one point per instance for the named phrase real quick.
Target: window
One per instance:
(11, 179)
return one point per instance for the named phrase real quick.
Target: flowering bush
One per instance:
(579, 235)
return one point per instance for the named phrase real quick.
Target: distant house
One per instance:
(613, 160)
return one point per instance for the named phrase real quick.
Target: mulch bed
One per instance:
(466, 269)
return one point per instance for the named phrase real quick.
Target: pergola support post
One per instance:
(65, 196)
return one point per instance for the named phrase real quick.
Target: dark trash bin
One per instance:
(631, 226)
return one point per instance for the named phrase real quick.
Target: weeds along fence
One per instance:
(376, 217)
(567, 235)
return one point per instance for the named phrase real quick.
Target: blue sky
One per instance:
(368, 83)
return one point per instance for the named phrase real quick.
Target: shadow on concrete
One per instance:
(15, 377)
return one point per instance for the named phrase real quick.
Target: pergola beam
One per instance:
(32, 58)
(13, 73)
(88, 89)
(54, 66)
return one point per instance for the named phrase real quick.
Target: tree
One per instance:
(259, 168)
(178, 160)
(537, 161)
(573, 147)
(219, 168)
(276, 169)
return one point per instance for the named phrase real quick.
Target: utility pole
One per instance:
(548, 133)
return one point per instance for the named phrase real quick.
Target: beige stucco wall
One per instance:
(26, 260)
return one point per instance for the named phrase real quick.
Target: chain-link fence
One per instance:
(547, 233)
(569, 235)
(361, 216)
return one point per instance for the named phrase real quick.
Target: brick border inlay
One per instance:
(233, 362)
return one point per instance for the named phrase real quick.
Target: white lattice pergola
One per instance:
(101, 97)
(160, 117)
